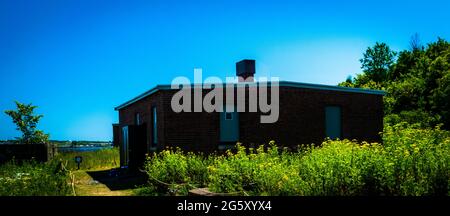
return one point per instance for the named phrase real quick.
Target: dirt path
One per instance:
(86, 185)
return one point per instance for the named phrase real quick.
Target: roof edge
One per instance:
(332, 88)
(139, 97)
(281, 83)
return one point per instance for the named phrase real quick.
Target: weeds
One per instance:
(100, 159)
(411, 162)
(34, 179)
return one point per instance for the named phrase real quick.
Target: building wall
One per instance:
(127, 116)
(116, 134)
(301, 120)
(194, 131)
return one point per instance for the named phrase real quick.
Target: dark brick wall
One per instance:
(194, 131)
(301, 120)
(302, 117)
(116, 134)
(127, 116)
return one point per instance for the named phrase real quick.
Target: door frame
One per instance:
(124, 147)
(235, 123)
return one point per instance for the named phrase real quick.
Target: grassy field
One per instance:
(101, 159)
(34, 179)
(56, 176)
(85, 185)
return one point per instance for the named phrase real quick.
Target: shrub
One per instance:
(260, 172)
(420, 118)
(410, 162)
(419, 159)
(173, 172)
(33, 179)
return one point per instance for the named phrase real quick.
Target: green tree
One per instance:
(437, 79)
(26, 122)
(414, 43)
(417, 82)
(377, 61)
(348, 82)
(420, 81)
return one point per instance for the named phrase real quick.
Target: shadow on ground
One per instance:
(116, 179)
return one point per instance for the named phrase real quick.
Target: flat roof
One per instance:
(280, 83)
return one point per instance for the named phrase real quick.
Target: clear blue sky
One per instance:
(78, 59)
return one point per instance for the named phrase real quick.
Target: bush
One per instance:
(420, 160)
(261, 171)
(173, 172)
(411, 161)
(420, 118)
(33, 179)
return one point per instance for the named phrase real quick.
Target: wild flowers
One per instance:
(410, 161)
(32, 178)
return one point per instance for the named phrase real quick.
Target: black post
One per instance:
(78, 160)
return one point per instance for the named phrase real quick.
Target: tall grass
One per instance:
(33, 179)
(100, 159)
(41, 179)
(411, 161)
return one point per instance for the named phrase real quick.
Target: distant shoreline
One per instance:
(83, 148)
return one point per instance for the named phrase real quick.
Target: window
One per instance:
(154, 127)
(228, 116)
(137, 119)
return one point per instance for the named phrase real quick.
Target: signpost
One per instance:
(78, 160)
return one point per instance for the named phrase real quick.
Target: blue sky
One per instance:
(79, 59)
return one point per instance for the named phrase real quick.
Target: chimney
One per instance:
(245, 70)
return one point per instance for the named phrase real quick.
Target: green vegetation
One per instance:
(86, 185)
(173, 172)
(412, 161)
(55, 177)
(417, 82)
(101, 159)
(26, 123)
(34, 179)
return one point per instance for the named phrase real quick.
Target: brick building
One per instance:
(308, 113)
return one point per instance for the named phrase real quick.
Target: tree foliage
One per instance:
(377, 62)
(417, 82)
(26, 122)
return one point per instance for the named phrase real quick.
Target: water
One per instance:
(83, 148)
